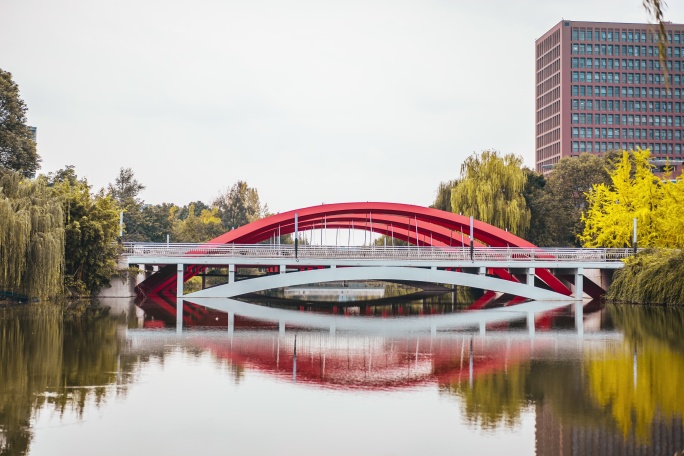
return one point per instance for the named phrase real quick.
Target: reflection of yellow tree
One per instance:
(495, 398)
(637, 393)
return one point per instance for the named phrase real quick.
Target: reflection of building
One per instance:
(600, 86)
(555, 438)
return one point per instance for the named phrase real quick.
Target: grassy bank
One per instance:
(652, 277)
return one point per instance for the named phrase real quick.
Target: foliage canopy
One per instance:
(17, 147)
(32, 238)
(635, 192)
(491, 189)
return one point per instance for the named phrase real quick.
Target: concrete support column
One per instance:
(231, 273)
(141, 275)
(281, 328)
(579, 283)
(231, 323)
(529, 276)
(482, 271)
(180, 279)
(483, 328)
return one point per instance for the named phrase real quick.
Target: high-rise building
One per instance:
(602, 86)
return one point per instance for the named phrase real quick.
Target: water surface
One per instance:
(90, 381)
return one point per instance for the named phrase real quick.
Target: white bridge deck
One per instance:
(423, 256)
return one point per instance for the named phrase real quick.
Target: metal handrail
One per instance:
(506, 254)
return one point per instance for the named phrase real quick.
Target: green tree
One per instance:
(31, 238)
(491, 189)
(557, 206)
(17, 147)
(92, 224)
(239, 206)
(198, 206)
(156, 223)
(194, 228)
(443, 197)
(538, 201)
(125, 191)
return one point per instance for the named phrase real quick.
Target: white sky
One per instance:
(308, 101)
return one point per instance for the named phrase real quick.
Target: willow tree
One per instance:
(491, 189)
(31, 238)
(443, 197)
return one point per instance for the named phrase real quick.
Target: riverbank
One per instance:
(654, 277)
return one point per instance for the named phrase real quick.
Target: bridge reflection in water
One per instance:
(367, 346)
(561, 363)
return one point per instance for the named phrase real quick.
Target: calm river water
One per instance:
(117, 379)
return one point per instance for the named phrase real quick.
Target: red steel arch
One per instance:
(415, 224)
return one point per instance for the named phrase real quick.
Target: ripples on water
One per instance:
(87, 381)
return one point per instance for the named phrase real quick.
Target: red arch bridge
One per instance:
(443, 248)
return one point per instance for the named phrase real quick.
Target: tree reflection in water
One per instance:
(630, 385)
(641, 380)
(56, 356)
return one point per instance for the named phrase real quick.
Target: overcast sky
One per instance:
(308, 101)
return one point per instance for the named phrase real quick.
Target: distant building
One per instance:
(33, 131)
(601, 86)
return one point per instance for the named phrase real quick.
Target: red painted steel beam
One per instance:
(414, 224)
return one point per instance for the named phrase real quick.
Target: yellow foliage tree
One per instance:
(634, 192)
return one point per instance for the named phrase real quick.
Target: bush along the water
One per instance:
(651, 277)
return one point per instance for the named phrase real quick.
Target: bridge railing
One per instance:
(504, 254)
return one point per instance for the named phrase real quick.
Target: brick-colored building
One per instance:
(601, 86)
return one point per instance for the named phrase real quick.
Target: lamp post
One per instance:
(634, 236)
(472, 243)
(296, 239)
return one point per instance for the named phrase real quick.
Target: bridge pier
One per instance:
(180, 279)
(529, 276)
(231, 273)
(579, 283)
(231, 323)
